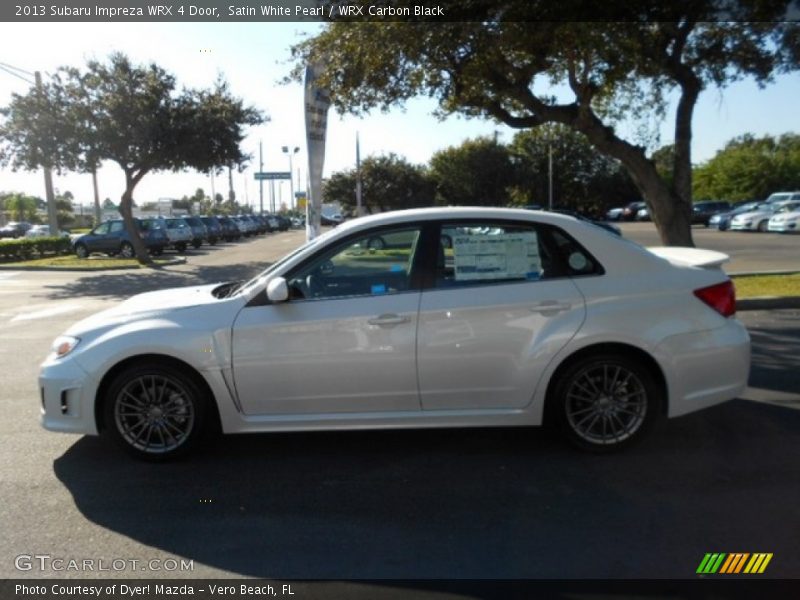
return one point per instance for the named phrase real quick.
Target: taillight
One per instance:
(721, 297)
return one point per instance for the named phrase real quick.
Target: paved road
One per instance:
(748, 251)
(459, 503)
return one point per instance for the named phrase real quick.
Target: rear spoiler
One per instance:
(691, 257)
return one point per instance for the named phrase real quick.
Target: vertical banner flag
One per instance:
(317, 102)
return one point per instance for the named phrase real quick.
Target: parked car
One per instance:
(643, 214)
(14, 229)
(230, 232)
(247, 228)
(273, 223)
(112, 238)
(199, 231)
(703, 211)
(284, 224)
(781, 196)
(179, 233)
(722, 221)
(331, 220)
(785, 220)
(213, 229)
(528, 318)
(758, 219)
(615, 214)
(40, 231)
(631, 210)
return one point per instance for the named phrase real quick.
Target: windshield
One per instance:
(276, 265)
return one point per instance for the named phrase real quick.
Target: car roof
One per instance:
(455, 212)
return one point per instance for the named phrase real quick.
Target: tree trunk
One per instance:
(126, 208)
(670, 214)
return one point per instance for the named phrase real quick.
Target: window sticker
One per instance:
(378, 288)
(497, 256)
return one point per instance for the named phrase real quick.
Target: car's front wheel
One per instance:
(81, 251)
(126, 250)
(762, 226)
(605, 402)
(155, 412)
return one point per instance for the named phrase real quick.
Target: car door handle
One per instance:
(550, 306)
(388, 319)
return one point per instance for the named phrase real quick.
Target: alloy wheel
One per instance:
(606, 403)
(154, 414)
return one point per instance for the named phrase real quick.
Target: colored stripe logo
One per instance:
(734, 563)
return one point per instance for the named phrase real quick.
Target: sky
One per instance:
(255, 57)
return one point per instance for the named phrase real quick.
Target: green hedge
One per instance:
(24, 249)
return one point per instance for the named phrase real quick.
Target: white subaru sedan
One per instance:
(449, 317)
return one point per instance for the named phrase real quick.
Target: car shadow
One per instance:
(123, 284)
(775, 363)
(465, 503)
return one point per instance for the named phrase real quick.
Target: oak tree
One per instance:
(130, 114)
(529, 62)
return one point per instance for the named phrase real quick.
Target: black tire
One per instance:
(81, 251)
(180, 246)
(762, 226)
(155, 412)
(126, 250)
(605, 402)
(157, 251)
(196, 244)
(376, 243)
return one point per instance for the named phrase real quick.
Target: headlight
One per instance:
(63, 345)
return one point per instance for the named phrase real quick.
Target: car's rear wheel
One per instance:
(126, 250)
(180, 246)
(605, 402)
(762, 226)
(154, 412)
(196, 243)
(81, 251)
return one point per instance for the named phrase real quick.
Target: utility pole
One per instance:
(231, 193)
(52, 218)
(261, 181)
(97, 215)
(358, 177)
(550, 176)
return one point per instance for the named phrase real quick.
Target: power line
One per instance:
(8, 66)
(10, 72)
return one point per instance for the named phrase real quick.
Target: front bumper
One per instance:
(791, 227)
(67, 395)
(742, 227)
(705, 367)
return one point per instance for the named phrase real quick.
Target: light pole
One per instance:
(291, 170)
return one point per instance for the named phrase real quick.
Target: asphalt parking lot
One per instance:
(480, 503)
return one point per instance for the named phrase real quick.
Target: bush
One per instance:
(25, 249)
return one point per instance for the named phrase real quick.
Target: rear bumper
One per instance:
(705, 368)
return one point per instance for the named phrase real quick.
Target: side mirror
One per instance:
(277, 290)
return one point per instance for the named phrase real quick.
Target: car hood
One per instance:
(146, 306)
(754, 214)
